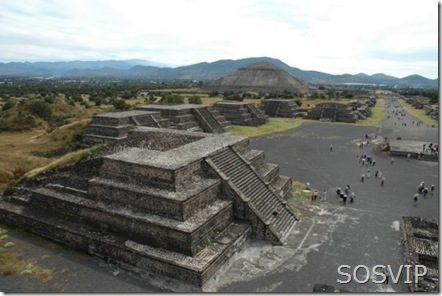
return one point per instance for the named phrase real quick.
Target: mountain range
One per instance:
(141, 69)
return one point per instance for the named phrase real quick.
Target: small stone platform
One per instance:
(281, 108)
(190, 117)
(400, 148)
(241, 113)
(332, 112)
(114, 126)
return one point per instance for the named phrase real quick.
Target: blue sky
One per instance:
(394, 37)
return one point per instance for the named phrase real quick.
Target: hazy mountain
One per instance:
(131, 69)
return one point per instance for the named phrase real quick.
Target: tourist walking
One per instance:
(382, 181)
(352, 196)
(432, 189)
(373, 162)
(331, 147)
(425, 192)
(415, 198)
(324, 194)
(392, 161)
(368, 174)
(408, 156)
(362, 177)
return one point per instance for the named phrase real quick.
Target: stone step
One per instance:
(187, 125)
(256, 157)
(256, 187)
(175, 205)
(269, 171)
(246, 182)
(139, 258)
(196, 129)
(124, 166)
(282, 185)
(262, 200)
(187, 237)
(92, 139)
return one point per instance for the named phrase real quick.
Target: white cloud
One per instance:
(395, 37)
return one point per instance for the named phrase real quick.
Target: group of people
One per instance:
(346, 194)
(430, 148)
(422, 190)
(316, 195)
(366, 160)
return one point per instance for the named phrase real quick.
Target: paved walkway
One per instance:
(364, 232)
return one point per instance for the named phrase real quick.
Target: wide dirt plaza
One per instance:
(330, 234)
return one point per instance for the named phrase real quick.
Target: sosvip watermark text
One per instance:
(380, 274)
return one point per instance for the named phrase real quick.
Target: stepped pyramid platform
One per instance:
(190, 117)
(259, 77)
(241, 113)
(281, 108)
(332, 112)
(173, 203)
(114, 126)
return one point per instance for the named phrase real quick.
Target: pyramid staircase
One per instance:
(207, 120)
(241, 113)
(257, 113)
(259, 198)
(280, 108)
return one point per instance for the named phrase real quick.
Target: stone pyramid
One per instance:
(259, 77)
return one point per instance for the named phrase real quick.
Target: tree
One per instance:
(40, 109)
(120, 104)
(213, 93)
(172, 99)
(195, 100)
(8, 105)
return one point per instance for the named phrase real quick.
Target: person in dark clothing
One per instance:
(425, 192)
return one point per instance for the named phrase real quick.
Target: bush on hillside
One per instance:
(195, 100)
(40, 109)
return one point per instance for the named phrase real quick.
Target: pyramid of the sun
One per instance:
(260, 77)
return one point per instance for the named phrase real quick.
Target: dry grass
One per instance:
(378, 114)
(69, 158)
(11, 263)
(418, 113)
(20, 151)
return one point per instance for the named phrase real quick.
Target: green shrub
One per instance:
(8, 105)
(120, 104)
(172, 99)
(195, 100)
(40, 109)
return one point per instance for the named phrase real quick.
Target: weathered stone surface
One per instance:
(241, 113)
(420, 237)
(154, 202)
